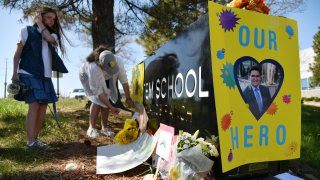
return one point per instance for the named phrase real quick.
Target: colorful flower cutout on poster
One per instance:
(220, 54)
(272, 110)
(289, 31)
(228, 20)
(227, 75)
(230, 156)
(291, 148)
(226, 121)
(286, 99)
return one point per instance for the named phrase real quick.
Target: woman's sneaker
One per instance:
(38, 145)
(93, 133)
(107, 132)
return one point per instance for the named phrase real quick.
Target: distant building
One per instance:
(307, 58)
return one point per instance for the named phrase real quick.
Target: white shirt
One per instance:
(93, 82)
(46, 54)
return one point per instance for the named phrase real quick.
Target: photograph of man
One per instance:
(256, 96)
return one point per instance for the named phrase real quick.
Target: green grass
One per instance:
(310, 136)
(14, 157)
(16, 160)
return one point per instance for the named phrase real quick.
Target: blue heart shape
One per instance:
(258, 83)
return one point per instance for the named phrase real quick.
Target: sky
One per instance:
(76, 53)
(308, 23)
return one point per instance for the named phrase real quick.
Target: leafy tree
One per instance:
(315, 67)
(95, 18)
(170, 17)
(156, 21)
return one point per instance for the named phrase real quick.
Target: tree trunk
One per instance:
(103, 24)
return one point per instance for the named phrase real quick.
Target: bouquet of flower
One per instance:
(186, 141)
(192, 156)
(254, 5)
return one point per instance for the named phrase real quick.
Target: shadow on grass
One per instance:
(69, 143)
(310, 113)
(138, 171)
(9, 131)
(57, 151)
(11, 119)
(65, 143)
(31, 175)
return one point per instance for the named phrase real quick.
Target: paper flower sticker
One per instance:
(289, 31)
(291, 148)
(220, 54)
(230, 156)
(228, 20)
(228, 76)
(226, 122)
(286, 99)
(272, 110)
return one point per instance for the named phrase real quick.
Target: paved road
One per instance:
(312, 103)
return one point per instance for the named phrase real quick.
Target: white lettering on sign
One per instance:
(175, 86)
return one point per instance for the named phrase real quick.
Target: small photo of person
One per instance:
(258, 84)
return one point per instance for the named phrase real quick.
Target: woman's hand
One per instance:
(115, 110)
(130, 103)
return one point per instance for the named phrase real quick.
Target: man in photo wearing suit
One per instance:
(257, 96)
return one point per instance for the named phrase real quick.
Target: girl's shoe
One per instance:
(38, 145)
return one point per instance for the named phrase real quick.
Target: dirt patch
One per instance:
(83, 153)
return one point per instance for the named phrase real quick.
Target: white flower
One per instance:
(185, 146)
(186, 141)
(214, 152)
(200, 140)
(212, 139)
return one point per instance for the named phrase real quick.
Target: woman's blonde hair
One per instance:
(94, 55)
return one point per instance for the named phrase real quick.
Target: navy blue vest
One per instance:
(31, 56)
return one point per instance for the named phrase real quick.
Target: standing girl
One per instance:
(34, 60)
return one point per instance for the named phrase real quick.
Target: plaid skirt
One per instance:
(39, 90)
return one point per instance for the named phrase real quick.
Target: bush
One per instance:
(309, 99)
(317, 99)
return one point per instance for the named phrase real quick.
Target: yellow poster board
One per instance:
(255, 65)
(137, 84)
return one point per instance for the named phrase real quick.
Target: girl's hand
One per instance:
(15, 77)
(38, 19)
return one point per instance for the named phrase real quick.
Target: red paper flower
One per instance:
(226, 122)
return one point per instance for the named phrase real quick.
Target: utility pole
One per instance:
(58, 94)
(5, 82)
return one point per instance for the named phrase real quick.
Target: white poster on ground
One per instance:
(117, 158)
